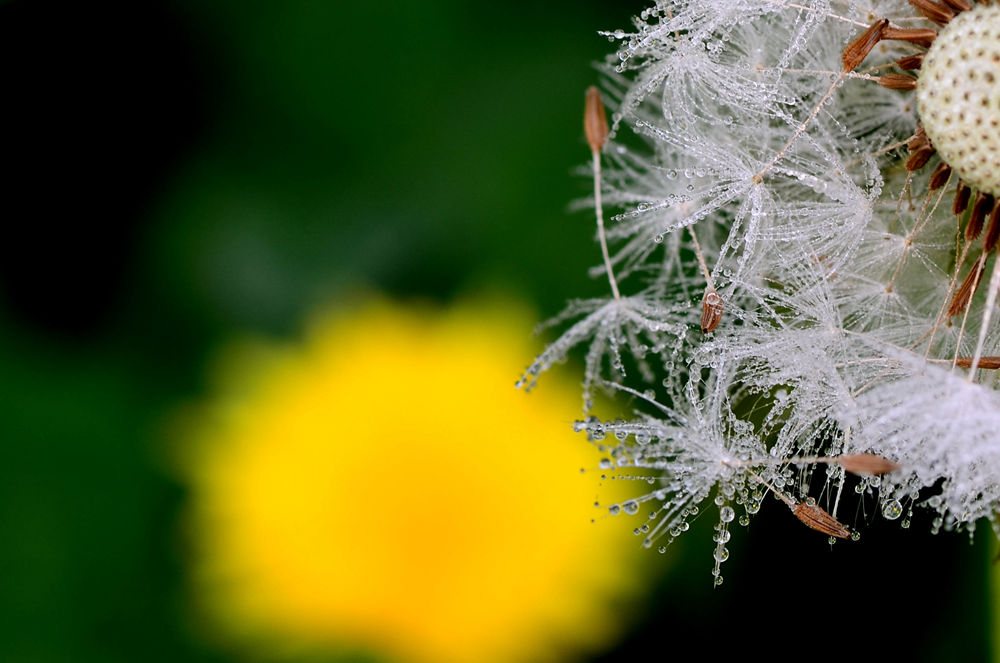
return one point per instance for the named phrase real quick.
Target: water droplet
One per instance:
(721, 554)
(614, 509)
(606, 464)
(753, 505)
(726, 514)
(892, 510)
(631, 507)
(744, 520)
(855, 535)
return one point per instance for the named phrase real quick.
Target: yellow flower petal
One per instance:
(383, 486)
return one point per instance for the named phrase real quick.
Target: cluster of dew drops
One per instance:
(728, 492)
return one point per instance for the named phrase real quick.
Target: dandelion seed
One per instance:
(867, 464)
(816, 518)
(711, 311)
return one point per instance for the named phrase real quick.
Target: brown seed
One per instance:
(711, 311)
(959, 5)
(595, 121)
(919, 36)
(939, 176)
(821, 521)
(991, 363)
(898, 82)
(858, 49)
(992, 236)
(960, 300)
(937, 12)
(918, 158)
(910, 62)
(962, 195)
(980, 208)
(918, 140)
(867, 464)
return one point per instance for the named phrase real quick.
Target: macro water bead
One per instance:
(958, 96)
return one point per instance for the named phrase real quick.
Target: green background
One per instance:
(183, 173)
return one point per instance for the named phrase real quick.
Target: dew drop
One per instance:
(726, 514)
(614, 509)
(892, 510)
(631, 507)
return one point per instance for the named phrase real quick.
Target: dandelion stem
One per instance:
(595, 125)
(802, 127)
(991, 300)
(784, 498)
(600, 226)
(701, 259)
(840, 484)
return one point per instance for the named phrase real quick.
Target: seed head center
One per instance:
(958, 96)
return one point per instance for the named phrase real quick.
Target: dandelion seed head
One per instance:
(805, 263)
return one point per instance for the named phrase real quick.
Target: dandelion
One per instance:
(347, 499)
(805, 202)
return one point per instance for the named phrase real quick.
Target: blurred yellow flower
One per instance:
(383, 487)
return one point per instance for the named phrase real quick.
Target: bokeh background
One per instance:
(182, 174)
